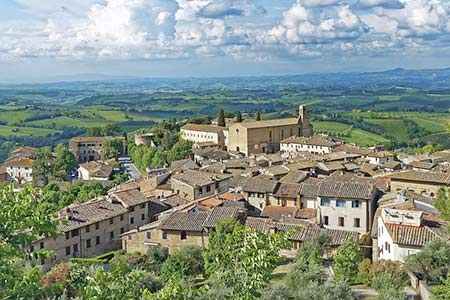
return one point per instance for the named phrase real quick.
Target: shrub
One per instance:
(187, 262)
(346, 261)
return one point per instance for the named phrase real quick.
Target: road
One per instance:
(128, 166)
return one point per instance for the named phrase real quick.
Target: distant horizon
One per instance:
(98, 77)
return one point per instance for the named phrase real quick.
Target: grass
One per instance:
(389, 97)
(112, 115)
(392, 126)
(14, 116)
(331, 127)
(8, 131)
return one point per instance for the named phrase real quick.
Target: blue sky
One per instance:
(43, 39)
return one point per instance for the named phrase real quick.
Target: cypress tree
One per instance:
(258, 116)
(238, 117)
(221, 118)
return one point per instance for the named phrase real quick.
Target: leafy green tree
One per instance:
(221, 118)
(181, 150)
(158, 160)
(442, 291)
(111, 129)
(111, 148)
(346, 261)
(250, 258)
(258, 116)
(119, 283)
(442, 203)
(175, 290)
(433, 261)
(43, 165)
(238, 117)
(186, 262)
(23, 219)
(94, 131)
(389, 287)
(64, 162)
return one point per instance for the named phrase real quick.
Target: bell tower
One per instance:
(305, 128)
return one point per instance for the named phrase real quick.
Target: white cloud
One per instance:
(318, 3)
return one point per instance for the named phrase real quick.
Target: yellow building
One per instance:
(265, 136)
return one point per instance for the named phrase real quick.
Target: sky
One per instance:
(42, 40)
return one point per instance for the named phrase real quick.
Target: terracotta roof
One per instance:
(19, 162)
(90, 212)
(310, 187)
(130, 197)
(277, 170)
(349, 190)
(267, 123)
(97, 169)
(199, 178)
(203, 128)
(183, 164)
(259, 224)
(410, 235)
(291, 190)
(316, 140)
(188, 221)
(430, 177)
(277, 212)
(294, 176)
(219, 214)
(174, 201)
(85, 139)
(307, 233)
(307, 213)
(422, 165)
(259, 185)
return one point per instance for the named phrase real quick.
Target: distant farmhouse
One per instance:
(250, 137)
(89, 148)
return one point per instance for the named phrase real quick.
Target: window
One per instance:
(41, 245)
(88, 243)
(387, 246)
(183, 235)
(111, 235)
(261, 205)
(357, 222)
(75, 248)
(132, 208)
(200, 190)
(341, 221)
(356, 203)
(208, 189)
(131, 220)
(325, 220)
(111, 221)
(75, 232)
(88, 228)
(143, 217)
(164, 235)
(31, 248)
(67, 250)
(149, 235)
(121, 217)
(97, 226)
(122, 230)
(67, 235)
(97, 240)
(340, 203)
(143, 205)
(325, 202)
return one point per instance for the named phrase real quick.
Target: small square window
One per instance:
(67, 235)
(111, 235)
(164, 235)
(75, 248)
(122, 230)
(67, 250)
(97, 226)
(340, 203)
(97, 240)
(88, 228)
(111, 221)
(149, 235)
(357, 223)
(183, 235)
(41, 245)
(325, 220)
(341, 221)
(143, 217)
(88, 243)
(131, 220)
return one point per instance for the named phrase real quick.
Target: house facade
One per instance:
(314, 144)
(89, 148)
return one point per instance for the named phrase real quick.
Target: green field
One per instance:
(350, 134)
(392, 126)
(14, 116)
(8, 131)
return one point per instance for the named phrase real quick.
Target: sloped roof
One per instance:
(185, 221)
(291, 190)
(267, 123)
(203, 128)
(200, 178)
(19, 162)
(220, 213)
(294, 176)
(430, 177)
(90, 212)
(349, 190)
(277, 212)
(337, 237)
(130, 197)
(259, 184)
(259, 224)
(410, 235)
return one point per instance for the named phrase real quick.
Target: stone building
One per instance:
(19, 170)
(265, 136)
(424, 183)
(89, 148)
(93, 228)
(193, 184)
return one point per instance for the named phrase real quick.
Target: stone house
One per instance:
(193, 184)
(95, 170)
(19, 170)
(257, 190)
(426, 183)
